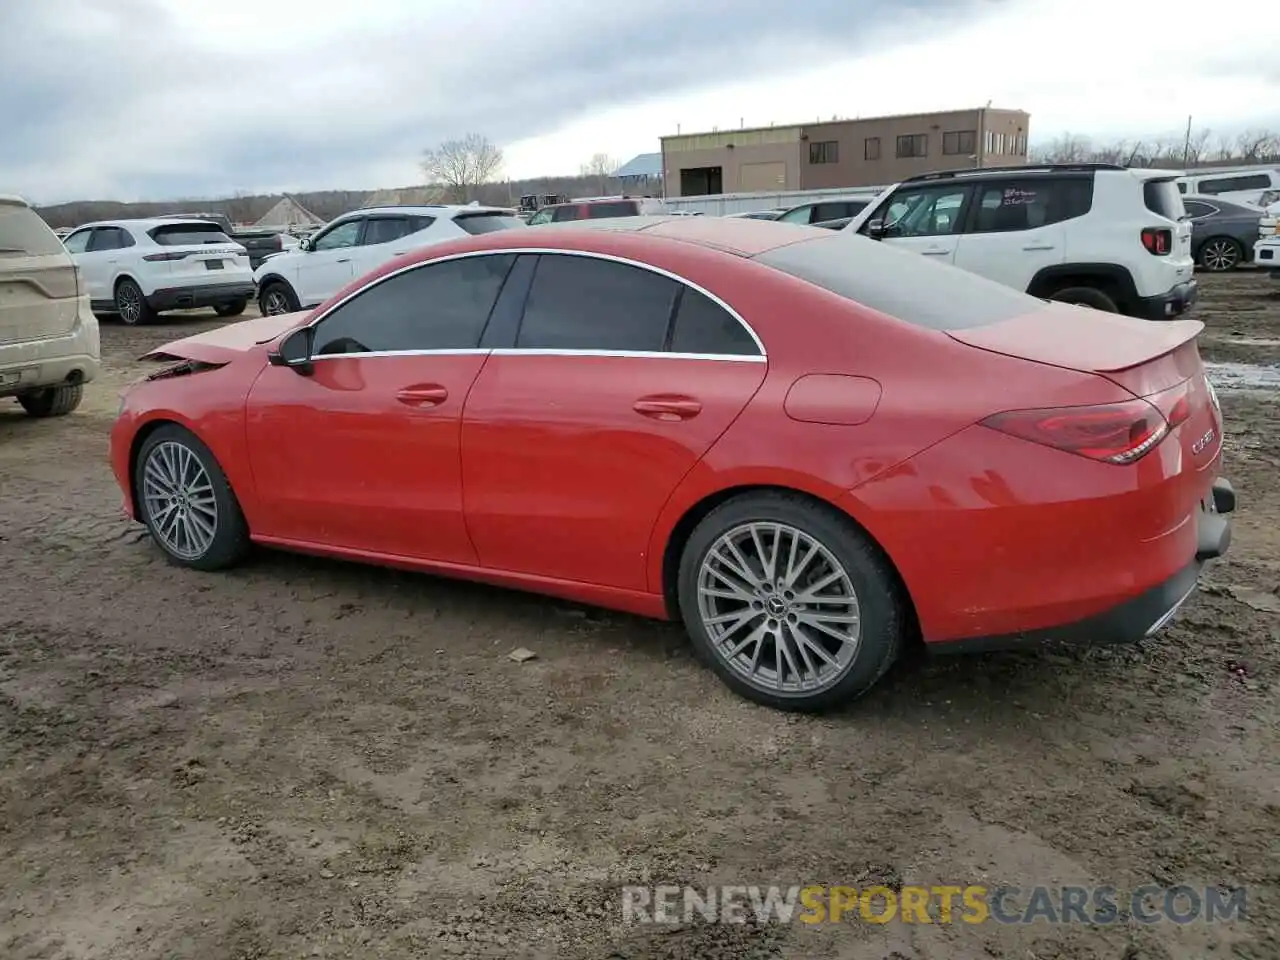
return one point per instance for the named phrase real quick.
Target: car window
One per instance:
(183, 234)
(703, 326)
(78, 242)
(925, 212)
(1258, 181)
(899, 282)
(1197, 209)
(834, 210)
(1161, 198)
(477, 223)
(567, 212)
(23, 232)
(585, 303)
(439, 306)
(1024, 204)
(345, 234)
(798, 215)
(109, 238)
(612, 208)
(384, 230)
(542, 216)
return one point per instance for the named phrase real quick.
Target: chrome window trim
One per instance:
(761, 357)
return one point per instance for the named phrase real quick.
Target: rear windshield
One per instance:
(902, 284)
(476, 223)
(186, 234)
(1163, 199)
(24, 234)
(612, 208)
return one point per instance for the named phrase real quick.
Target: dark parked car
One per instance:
(819, 211)
(1222, 233)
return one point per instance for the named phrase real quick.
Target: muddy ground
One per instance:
(305, 758)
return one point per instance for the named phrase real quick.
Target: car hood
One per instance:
(226, 343)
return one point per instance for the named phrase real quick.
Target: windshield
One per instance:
(477, 223)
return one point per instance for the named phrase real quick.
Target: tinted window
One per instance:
(78, 242)
(343, 235)
(924, 211)
(22, 231)
(583, 303)
(1162, 198)
(798, 215)
(109, 238)
(1196, 208)
(182, 234)
(568, 212)
(476, 223)
(612, 208)
(703, 326)
(442, 306)
(900, 283)
(385, 229)
(1225, 184)
(1025, 204)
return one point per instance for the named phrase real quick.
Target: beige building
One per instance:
(842, 153)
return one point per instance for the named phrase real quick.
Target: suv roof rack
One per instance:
(1019, 168)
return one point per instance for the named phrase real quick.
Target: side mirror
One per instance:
(876, 229)
(304, 244)
(294, 352)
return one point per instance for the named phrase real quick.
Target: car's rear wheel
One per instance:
(789, 602)
(52, 401)
(231, 309)
(1219, 254)
(131, 305)
(276, 298)
(1086, 297)
(187, 503)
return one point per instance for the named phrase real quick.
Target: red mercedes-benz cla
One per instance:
(809, 447)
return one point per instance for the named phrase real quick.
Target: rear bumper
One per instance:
(204, 295)
(1135, 619)
(73, 357)
(1168, 305)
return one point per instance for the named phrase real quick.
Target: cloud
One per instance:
(144, 99)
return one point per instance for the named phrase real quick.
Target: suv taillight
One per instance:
(162, 257)
(1119, 433)
(1157, 240)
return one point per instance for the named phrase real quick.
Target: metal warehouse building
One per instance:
(841, 153)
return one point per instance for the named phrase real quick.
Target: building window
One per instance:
(999, 143)
(825, 152)
(1020, 146)
(988, 140)
(871, 149)
(913, 145)
(960, 142)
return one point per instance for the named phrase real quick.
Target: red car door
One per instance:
(620, 380)
(362, 453)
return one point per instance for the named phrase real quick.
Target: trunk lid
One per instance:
(39, 288)
(226, 343)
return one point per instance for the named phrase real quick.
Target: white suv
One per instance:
(48, 335)
(135, 269)
(356, 243)
(1100, 235)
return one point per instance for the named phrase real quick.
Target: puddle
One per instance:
(1243, 376)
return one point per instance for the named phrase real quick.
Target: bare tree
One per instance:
(602, 168)
(1255, 145)
(1068, 148)
(461, 166)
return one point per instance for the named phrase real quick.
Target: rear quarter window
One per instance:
(477, 223)
(184, 234)
(899, 283)
(24, 234)
(1163, 199)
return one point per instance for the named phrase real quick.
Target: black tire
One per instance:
(231, 309)
(230, 541)
(131, 305)
(277, 298)
(1086, 297)
(882, 613)
(52, 401)
(1220, 254)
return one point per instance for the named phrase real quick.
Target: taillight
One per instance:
(1118, 433)
(1157, 240)
(160, 257)
(1174, 403)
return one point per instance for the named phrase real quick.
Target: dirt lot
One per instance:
(308, 758)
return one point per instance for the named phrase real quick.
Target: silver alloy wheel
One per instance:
(275, 303)
(129, 303)
(1219, 255)
(779, 608)
(177, 494)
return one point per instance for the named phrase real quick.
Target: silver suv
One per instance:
(48, 335)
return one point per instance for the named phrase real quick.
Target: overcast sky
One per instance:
(157, 99)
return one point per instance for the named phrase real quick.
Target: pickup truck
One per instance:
(259, 243)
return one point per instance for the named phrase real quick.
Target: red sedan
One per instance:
(811, 448)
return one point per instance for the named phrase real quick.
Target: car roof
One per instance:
(147, 223)
(428, 209)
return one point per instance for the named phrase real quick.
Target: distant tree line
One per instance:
(1201, 148)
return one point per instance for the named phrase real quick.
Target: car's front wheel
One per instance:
(276, 298)
(789, 602)
(231, 309)
(187, 503)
